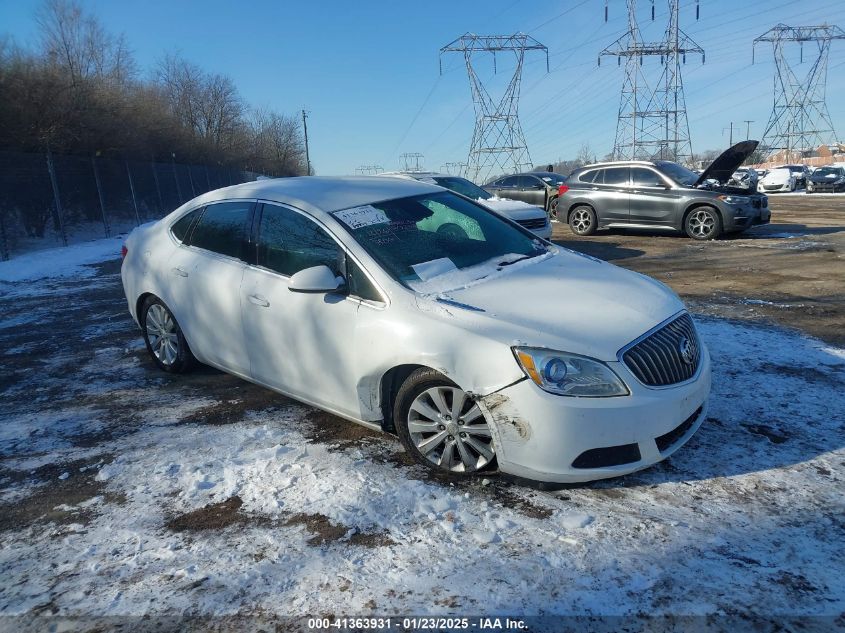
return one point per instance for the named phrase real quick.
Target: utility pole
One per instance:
(652, 122)
(305, 130)
(747, 128)
(731, 142)
(800, 119)
(498, 143)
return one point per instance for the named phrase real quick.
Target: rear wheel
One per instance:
(164, 338)
(441, 426)
(582, 220)
(703, 223)
(552, 210)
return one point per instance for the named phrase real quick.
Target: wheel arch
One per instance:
(697, 205)
(580, 203)
(389, 385)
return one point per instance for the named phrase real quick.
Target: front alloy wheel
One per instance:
(703, 223)
(582, 220)
(441, 426)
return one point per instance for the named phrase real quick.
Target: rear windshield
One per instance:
(550, 178)
(463, 187)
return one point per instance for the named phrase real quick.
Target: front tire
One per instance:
(165, 341)
(582, 220)
(703, 223)
(441, 426)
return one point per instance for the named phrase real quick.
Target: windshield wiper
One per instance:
(519, 259)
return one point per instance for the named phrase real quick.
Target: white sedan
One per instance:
(404, 307)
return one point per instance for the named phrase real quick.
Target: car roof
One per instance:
(321, 193)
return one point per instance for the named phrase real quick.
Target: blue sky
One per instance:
(368, 71)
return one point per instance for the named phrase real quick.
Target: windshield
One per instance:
(676, 172)
(827, 171)
(419, 238)
(463, 187)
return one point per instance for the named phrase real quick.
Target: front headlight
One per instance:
(734, 199)
(569, 374)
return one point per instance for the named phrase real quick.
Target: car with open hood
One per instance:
(662, 195)
(530, 216)
(405, 307)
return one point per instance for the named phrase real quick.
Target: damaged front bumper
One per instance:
(549, 438)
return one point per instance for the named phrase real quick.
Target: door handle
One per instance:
(180, 272)
(259, 301)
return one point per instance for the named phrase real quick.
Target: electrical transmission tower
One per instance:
(369, 170)
(452, 168)
(411, 161)
(652, 121)
(799, 120)
(498, 144)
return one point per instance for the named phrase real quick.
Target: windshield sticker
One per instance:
(428, 270)
(547, 179)
(358, 217)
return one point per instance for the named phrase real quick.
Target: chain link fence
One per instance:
(55, 200)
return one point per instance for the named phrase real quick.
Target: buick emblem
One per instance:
(686, 351)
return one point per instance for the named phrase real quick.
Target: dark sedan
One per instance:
(826, 179)
(536, 187)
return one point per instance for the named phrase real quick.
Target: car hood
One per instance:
(727, 162)
(777, 176)
(568, 302)
(514, 209)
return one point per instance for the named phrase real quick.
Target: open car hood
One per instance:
(727, 163)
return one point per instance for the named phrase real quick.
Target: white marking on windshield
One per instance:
(359, 217)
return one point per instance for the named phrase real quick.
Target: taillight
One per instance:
(123, 251)
(562, 190)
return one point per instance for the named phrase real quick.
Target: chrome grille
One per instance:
(538, 223)
(657, 360)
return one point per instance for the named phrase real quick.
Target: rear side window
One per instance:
(222, 228)
(181, 229)
(529, 182)
(510, 181)
(588, 176)
(289, 242)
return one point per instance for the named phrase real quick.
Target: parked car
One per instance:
(403, 306)
(530, 216)
(779, 179)
(663, 195)
(801, 173)
(537, 187)
(744, 178)
(826, 179)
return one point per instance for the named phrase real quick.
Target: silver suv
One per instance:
(663, 195)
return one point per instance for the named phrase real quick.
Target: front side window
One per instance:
(289, 242)
(510, 181)
(641, 177)
(439, 235)
(222, 228)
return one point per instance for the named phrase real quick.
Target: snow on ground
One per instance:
(125, 460)
(70, 261)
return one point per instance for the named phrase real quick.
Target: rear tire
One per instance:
(165, 341)
(582, 220)
(441, 426)
(552, 210)
(703, 223)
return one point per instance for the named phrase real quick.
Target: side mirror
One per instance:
(317, 279)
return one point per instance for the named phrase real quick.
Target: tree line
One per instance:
(79, 90)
